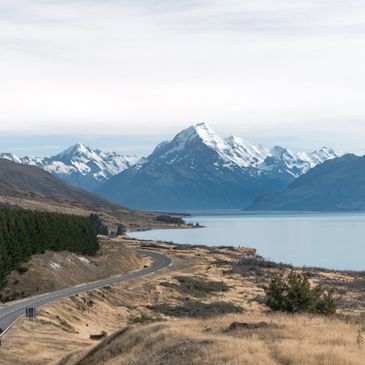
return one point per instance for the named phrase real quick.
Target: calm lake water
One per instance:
(335, 241)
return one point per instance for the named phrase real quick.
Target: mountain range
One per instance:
(200, 170)
(196, 170)
(336, 185)
(80, 165)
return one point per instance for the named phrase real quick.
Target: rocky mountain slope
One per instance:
(336, 185)
(80, 165)
(200, 170)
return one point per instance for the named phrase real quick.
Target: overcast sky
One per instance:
(125, 74)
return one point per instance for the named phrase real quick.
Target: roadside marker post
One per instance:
(31, 313)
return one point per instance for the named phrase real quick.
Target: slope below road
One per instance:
(12, 312)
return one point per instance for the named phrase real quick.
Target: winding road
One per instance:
(10, 313)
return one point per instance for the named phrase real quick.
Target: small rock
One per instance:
(261, 299)
(235, 326)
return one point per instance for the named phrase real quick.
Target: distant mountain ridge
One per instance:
(200, 170)
(80, 165)
(335, 185)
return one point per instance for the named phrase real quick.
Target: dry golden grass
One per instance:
(287, 339)
(297, 340)
(57, 270)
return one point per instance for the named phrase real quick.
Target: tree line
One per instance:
(24, 233)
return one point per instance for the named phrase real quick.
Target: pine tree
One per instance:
(24, 233)
(121, 229)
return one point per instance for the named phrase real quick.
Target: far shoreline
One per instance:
(238, 212)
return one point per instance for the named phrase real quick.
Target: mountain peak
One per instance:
(77, 149)
(200, 131)
(209, 137)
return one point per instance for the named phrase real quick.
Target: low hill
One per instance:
(18, 180)
(335, 185)
(30, 187)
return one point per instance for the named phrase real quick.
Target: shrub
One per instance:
(22, 269)
(199, 287)
(121, 229)
(169, 219)
(99, 226)
(196, 309)
(294, 294)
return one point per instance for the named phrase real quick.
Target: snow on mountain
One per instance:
(187, 141)
(11, 157)
(245, 154)
(296, 163)
(85, 161)
(80, 165)
(198, 169)
(236, 152)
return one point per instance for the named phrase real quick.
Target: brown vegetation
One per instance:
(297, 339)
(176, 317)
(57, 270)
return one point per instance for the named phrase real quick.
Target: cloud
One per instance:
(274, 67)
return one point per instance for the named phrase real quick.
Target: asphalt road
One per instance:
(12, 312)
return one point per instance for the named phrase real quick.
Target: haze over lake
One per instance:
(335, 241)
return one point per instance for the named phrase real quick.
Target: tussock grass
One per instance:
(287, 339)
(192, 308)
(196, 286)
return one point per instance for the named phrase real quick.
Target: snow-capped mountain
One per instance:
(198, 169)
(235, 151)
(80, 165)
(283, 160)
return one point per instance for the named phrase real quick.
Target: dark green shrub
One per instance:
(294, 294)
(192, 308)
(121, 229)
(169, 219)
(22, 269)
(99, 226)
(199, 287)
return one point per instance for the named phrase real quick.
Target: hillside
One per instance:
(30, 187)
(57, 270)
(185, 315)
(336, 185)
(200, 170)
(25, 180)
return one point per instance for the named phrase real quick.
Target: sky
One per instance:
(126, 74)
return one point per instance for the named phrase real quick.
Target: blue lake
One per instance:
(335, 241)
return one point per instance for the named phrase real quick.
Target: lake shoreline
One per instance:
(331, 241)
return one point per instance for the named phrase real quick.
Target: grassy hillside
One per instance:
(32, 188)
(206, 308)
(22, 180)
(57, 270)
(262, 340)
